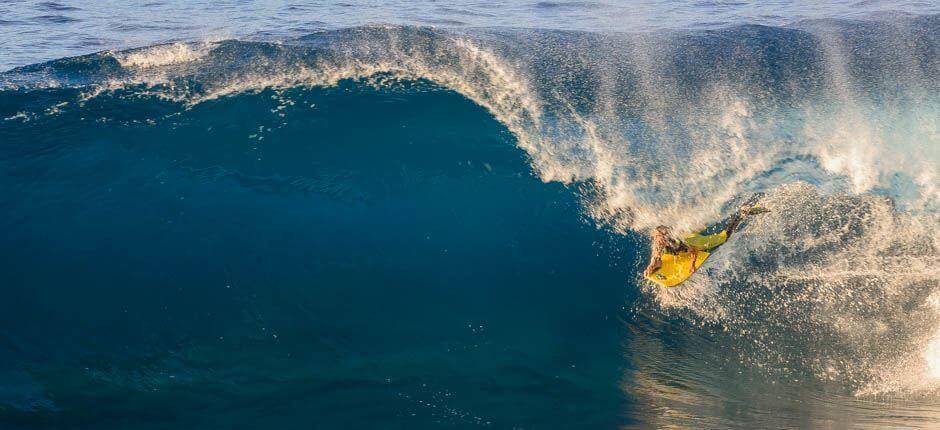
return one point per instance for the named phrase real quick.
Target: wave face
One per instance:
(338, 152)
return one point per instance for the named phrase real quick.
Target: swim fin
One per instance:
(755, 210)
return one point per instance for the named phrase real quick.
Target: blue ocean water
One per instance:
(419, 215)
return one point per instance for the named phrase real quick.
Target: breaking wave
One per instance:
(837, 121)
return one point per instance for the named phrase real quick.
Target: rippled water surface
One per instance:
(36, 31)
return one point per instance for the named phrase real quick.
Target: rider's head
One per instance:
(661, 231)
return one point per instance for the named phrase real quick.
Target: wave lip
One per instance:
(163, 55)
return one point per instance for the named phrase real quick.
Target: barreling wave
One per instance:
(839, 121)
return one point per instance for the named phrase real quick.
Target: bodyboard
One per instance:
(676, 268)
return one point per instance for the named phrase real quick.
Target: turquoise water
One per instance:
(367, 222)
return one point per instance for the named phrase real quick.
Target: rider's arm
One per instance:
(655, 262)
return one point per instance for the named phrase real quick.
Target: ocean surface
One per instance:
(422, 215)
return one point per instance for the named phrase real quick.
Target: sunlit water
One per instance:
(264, 215)
(35, 31)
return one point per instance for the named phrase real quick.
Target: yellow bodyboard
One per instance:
(708, 242)
(676, 268)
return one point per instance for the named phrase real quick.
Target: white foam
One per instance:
(932, 351)
(163, 55)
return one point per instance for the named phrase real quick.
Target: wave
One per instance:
(838, 121)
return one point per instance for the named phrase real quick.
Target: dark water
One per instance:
(402, 227)
(182, 274)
